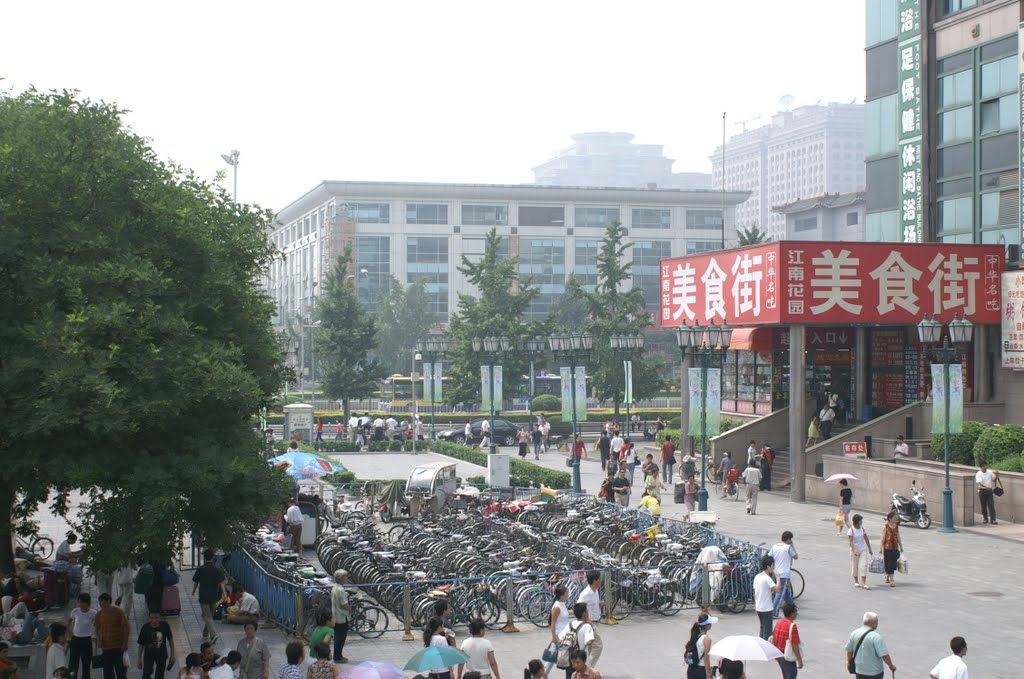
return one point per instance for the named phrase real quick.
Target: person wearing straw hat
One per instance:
(697, 650)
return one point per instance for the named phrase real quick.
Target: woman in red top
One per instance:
(581, 448)
(785, 630)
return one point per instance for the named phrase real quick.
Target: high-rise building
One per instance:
(942, 121)
(804, 153)
(612, 159)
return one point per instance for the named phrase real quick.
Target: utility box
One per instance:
(298, 422)
(498, 471)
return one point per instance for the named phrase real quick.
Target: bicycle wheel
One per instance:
(622, 605)
(796, 583)
(489, 612)
(42, 546)
(371, 622)
(538, 608)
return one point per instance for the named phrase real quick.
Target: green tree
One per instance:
(346, 338)
(611, 310)
(400, 323)
(497, 310)
(136, 343)
(750, 235)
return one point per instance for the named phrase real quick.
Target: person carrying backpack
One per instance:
(696, 654)
(579, 635)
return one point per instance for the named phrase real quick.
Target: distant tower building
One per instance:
(610, 159)
(804, 153)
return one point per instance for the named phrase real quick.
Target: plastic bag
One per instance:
(902, 566)
(877, 564)
(840, 519)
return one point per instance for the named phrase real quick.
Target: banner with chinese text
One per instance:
(713, 402)
(566, 394)
(627, 370)
(693, 378)
(956, 399)
(432, 382)
(908, 124)
(498, 391)
(581, 394)
(485, 388)
(1012, 324)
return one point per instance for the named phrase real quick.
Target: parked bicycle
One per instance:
(40, 545)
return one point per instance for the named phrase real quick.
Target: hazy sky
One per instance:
(430, 91)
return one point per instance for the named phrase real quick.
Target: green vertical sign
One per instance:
(908, 123)
(485, 388)
(581, 394)
(713, 402)
(566, 394)
(956, 399)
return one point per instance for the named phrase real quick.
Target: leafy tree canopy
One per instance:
(750, 235)
(401, 322)
(136, 343)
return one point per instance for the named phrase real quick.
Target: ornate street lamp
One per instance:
(575, 349)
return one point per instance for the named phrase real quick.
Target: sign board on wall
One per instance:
(1012, 325)
(855, 449)
(908, 124)
(1020, 125)
(819, 283)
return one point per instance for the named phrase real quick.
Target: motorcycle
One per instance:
(913, 509)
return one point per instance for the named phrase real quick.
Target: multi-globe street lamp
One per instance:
(491, 349)
(532, 348)
(627, 346)
(574, 348)
(947, 347)
(433, 349)
(708, 345)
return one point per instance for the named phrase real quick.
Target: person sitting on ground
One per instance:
(650, 502)
(8, 668)
(72, 571)
(227, 669)
(208, 655)
(246, 610)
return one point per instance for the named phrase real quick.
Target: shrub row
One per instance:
(1001, 445)
(671, 417)
(523, 474)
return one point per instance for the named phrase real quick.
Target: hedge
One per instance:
(961, 446)
(724, 425)
(553, 416)
(547, 403)
(522, 474)
(998, 442)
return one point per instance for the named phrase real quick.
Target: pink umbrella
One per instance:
(374, 670)
(836, 478)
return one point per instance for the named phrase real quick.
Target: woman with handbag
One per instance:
(786, 638)
(558, 621)
(860, 551)
(892, 546)
(696, 653)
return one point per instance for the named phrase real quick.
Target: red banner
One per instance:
(831, 282)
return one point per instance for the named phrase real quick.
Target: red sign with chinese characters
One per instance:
(835, 283)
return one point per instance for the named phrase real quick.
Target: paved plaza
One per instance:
(962, 584)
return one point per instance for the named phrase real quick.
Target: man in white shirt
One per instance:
(751, 452)
(64, 548)
(293, 517)
(617, 443)
(752, 477)
(826, 417)
(392, 426)
(952, 666)
(784, 553)
(355, 429)
(227, 669)
(591, 596)
(764, 586)
(246, 610)
(545, 432)
(902, 450)
(418, 428)
(480, 652)
(986, 480)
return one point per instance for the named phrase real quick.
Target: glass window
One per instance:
(808, 223)
(852, 219)
(999, 152)
(882, 76)
(957, 61)
(955, 90)
(955, 161)
(956, 187)
(599, 217)
(955, 215)
(882, 227)
(373, 264)
(704, 219)
(999, 115)
(369, 213)
(956, 125)
(954, 6)
(883, 183)
(541, 215)
(696, 246)
(426, 213)
(586, 262)
(543, 261)
(485, 215)
(647, 256)
(427, 260)
(652, 218)
(881, 23)
(880, 126)
(958, 238)
(989, 210)
(998, 77)
(1001, 237)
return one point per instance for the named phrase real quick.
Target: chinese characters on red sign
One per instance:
(821, 282)
(1013, 319)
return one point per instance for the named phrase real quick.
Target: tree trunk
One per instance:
(6, 529)
(346, 409)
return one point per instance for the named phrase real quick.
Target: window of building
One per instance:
(999, 115)
(956, 216)
(999, 152)
(694, 247)
(599, 217)
(543, 262)
(373, 264)
(956, 125)
(541, 215)
(370, 213)
(955, 89)
(427, 260)
(426, 213)
(852, 219)
(956, 161)
(880, 126)
(882, 227)
(704, 219)
(881, 23)
(882, 77)
(954, 6)
(805, 223)
(647, 256)
(485, 215)
(652, 218)
(585, 266)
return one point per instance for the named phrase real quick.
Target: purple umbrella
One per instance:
(373, 670)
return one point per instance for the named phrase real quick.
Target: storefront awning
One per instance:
(751, 339)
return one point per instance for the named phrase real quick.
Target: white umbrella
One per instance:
(836, 478)
(745, 647)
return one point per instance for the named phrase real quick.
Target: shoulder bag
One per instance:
(790, 652)
(998, 490)
(550, 653)
(851, 665)
(567, 646)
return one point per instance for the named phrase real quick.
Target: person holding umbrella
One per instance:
(434, 637)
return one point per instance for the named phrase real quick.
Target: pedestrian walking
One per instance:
(752, 477)
(295, 655)
(535, 670)
(339, 431)
(580, 448)
(668, 459)
(784, 553)
(621, 486)
(892, 546)
(319, 430)
(209, 581)
(813, 432)
(652, 484)
(765, 585)
(751, 451)
(81, 630)
(628, 456)
(480, 652)
(604, 447)
(112, 638)
(255, 655)
(591, 595)
(689, 467)
(986, 480)
(765, 462)
(845, 504)
(696, 651)
(866, 652)
(467, 431)
(587, 639)
(617, 443)
(538, 441)
(690, 489)
(341, 611)
(606, 493)
(545, 430)
(322, 667)
(786, 632)
(952, 666)
(860, 552)
(293, 519)
(724, 469)
(558, 619)
(323, 633)
(826, 417)
(57, 653)
(523, 438)
(156, 648)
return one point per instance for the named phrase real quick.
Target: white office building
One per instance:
(807, 152)
(416, 231)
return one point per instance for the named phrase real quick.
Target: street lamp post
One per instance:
(434, 348)
(575, 349)
(232, 160)
(961, 331)
(707, 345)
(532, 349)
(490, 349)
(627, 346)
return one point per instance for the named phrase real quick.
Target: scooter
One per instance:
(912, 510)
